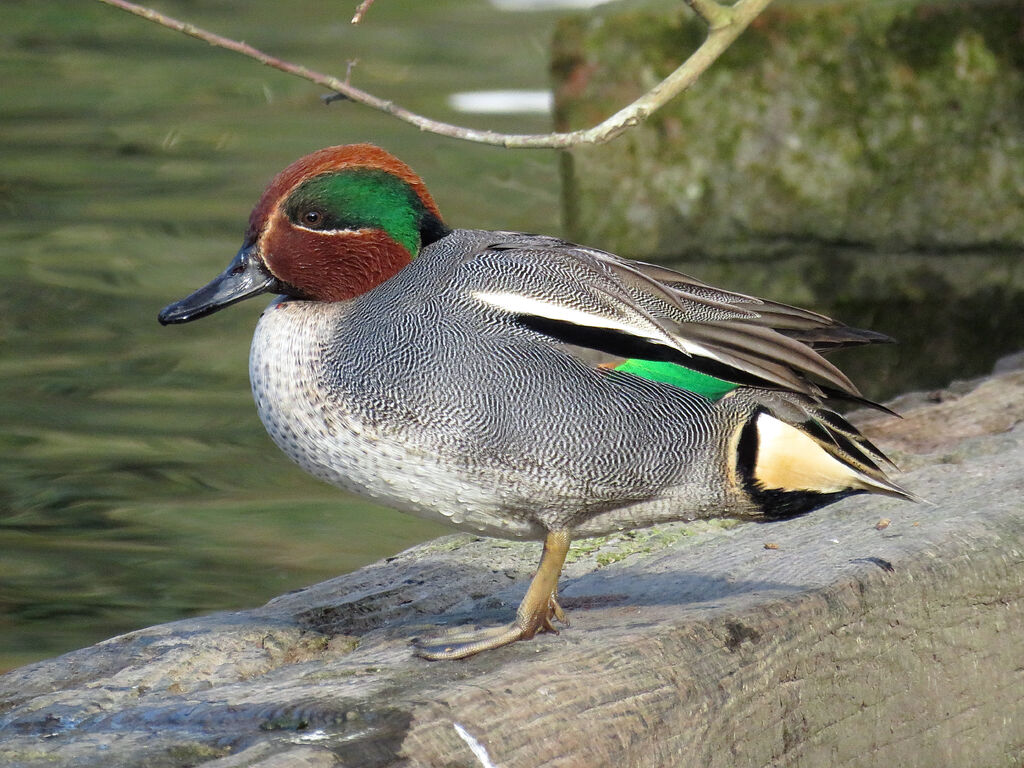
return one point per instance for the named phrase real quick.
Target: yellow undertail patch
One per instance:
(790, 460)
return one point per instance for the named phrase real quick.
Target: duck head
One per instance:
(329, 227)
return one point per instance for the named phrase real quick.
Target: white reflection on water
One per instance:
(511, 102)
(544, 5)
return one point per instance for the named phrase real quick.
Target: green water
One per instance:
(136, 484)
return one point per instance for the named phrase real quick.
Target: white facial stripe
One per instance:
(363, 231)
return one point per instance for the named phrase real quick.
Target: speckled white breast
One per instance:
(331, 441)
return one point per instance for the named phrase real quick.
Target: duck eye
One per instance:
(312, 218)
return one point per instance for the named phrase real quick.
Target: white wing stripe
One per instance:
(518, 304)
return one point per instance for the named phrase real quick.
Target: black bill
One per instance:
(246, 276)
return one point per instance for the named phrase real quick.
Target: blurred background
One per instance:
(137, 485)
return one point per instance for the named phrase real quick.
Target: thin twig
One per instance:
(720, 37)
(715, 14)
(361, 11)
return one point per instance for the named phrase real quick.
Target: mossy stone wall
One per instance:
(897, 125)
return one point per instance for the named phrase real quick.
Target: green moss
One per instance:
(285, 722)
(924, 35)
(618, 546)
(194, 752)
(446, 544)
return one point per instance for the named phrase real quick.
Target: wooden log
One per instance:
(837, 639)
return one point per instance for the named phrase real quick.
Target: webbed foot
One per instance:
(536, 613)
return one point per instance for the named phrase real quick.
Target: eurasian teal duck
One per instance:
(522, 386)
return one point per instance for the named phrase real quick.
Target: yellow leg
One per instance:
(539, 607)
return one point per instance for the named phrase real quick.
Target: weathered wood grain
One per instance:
(846, 644)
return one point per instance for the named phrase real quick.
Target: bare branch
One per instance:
(361, 11)
(722, 32)
(715, 14)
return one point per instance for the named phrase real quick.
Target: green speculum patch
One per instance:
(678, 376)
(361, 199)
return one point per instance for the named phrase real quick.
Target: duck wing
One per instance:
(820, 332)
(595, 299)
